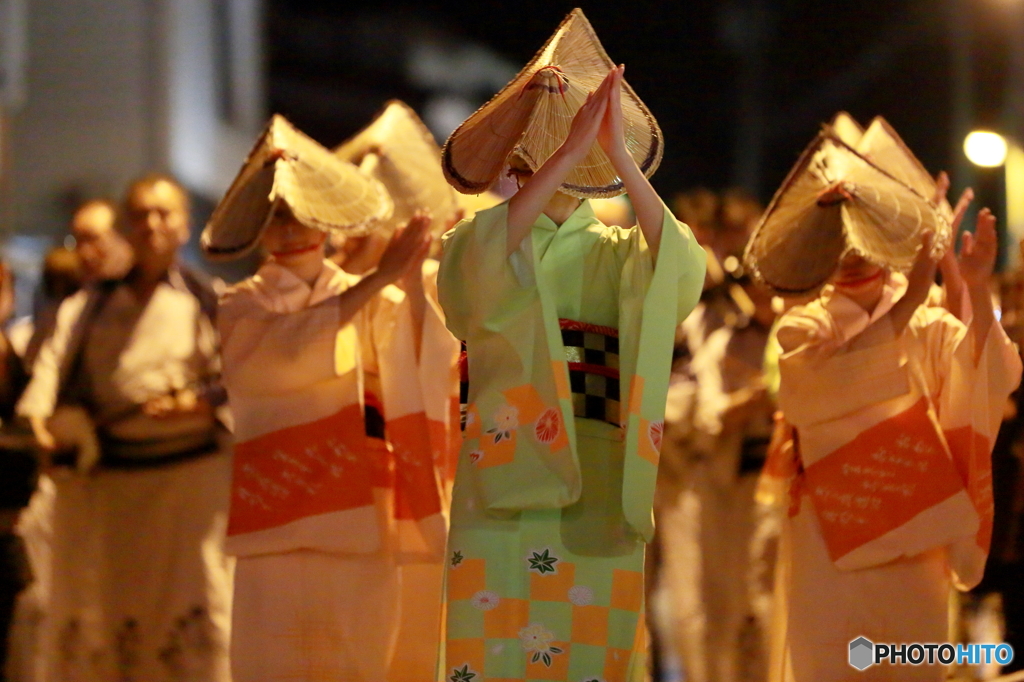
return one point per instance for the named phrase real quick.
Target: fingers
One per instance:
(966, 244)
(615, 91)
(412, 231)
(984, 235)
(925, 264)
(419, 223)
(606, 82)
(961, 209)
(611, 86)
(592, 108)
(927, 240)
(985, 226)
(422, 251)
(941, 186)
(413, 238)
(597, 99)
(978, 250)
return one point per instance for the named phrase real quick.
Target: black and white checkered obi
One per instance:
(592, 352)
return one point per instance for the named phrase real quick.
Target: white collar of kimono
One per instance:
(850, 319)
(581, 217)
(282, 291)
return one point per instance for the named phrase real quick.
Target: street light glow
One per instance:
(985, 148)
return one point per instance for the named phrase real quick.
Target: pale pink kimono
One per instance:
(323, 518)
(894, 503)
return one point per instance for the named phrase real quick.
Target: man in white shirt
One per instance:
(140, 586)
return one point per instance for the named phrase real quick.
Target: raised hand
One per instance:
(941, 187)
(960, 210)
(533, 197)
(922, 274)
(587, 122)
(978, 251)
(952, 279)
(919, 283)
(977, 261)
(611, 136)
(407, 248)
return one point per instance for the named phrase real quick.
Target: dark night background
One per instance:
(738, 87)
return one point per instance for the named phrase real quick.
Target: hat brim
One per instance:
(408, 164)
(286, 166)
(802, 237)
(883, 146)
(847, 129)
(532, 115)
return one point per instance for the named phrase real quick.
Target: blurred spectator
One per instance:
(716, 543)
(140, 587)
(13, 376)
(18, 477)
(62, 276)
(698, 208)
(100, 253)
(738, 213)
(104, 253)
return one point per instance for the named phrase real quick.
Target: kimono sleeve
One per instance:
(971, 401)
(415, 393)
(653, 299)
(691, 266)
(467, 265)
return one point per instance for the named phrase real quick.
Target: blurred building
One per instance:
(97, 91)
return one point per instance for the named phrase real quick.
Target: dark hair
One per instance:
(151, 179)
(62, 273)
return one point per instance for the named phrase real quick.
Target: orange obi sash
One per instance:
(405, 451)
(301, 471)
(881, 481)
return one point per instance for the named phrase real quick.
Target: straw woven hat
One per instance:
(881, 145)
(835, 201)
(322, 191)
(398, 150)
(532, 114)
(847, 129)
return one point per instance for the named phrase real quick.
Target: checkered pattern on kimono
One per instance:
(592, 353)
(574, 624)
(463, 385)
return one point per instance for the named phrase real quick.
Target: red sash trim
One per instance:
(880, 480)
(416, 484)
(574, 326)
(972, 456)
(300, 471)
(610, 372)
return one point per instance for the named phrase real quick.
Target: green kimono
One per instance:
(550, 511)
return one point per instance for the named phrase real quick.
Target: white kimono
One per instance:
(894, 503)
(323, 516)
